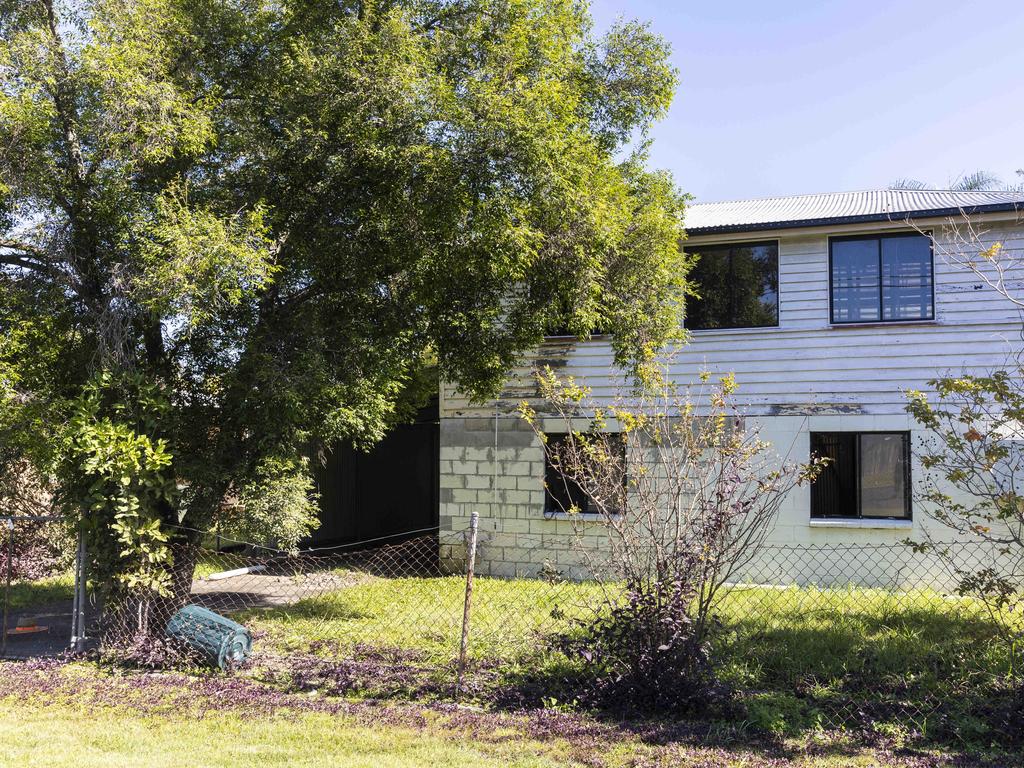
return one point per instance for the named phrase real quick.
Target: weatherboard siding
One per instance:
(805, 360)
(805, 375)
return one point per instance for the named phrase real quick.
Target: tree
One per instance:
(233, 231)
(971, 182)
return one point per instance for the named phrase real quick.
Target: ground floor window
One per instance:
(867, 476)
(563, 494)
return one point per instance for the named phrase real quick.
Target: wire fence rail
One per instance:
(841, 636)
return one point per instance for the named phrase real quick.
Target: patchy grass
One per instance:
(913, 665)
(41, 592)
(919, 659)
(78, 715)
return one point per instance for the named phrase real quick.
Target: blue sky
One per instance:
(788, 97)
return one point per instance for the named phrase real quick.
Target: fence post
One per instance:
(474, 522)
(78, 607)
(7, 583)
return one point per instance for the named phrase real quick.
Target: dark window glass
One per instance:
(867, 476)
(906, 278)
(856, 281)
(834, 491)
(562, 494)
(738, 287)
(881, 278)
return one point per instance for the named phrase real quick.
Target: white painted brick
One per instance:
(513, 525)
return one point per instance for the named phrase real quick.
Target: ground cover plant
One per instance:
(77, 715)
(914, 665)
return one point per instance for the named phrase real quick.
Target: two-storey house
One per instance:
(827, 308)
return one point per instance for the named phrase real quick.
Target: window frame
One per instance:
(778, 283)
(551, 508)
(881, 288)
(908, 475)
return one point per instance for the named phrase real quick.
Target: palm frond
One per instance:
(908, 184)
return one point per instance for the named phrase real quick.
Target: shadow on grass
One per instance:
(913, 665)
(909, 668)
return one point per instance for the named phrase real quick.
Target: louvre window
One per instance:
(737, 286)
(881, 279)
(867, 475)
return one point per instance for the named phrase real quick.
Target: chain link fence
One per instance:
(842, 636)
(36, 564)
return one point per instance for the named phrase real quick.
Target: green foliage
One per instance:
(974, 459)
(120, 475)
(193, 262)
(279, 216)
(278, 506)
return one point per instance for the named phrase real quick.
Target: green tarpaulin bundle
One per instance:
(221, 641)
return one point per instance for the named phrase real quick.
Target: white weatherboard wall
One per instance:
(804, 375)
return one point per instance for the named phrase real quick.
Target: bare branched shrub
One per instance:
(38, 548)
(967, 245)
(683, 495)
(973, 484)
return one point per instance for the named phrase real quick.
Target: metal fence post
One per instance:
(7, 584)
(474, 522)
(78, 606)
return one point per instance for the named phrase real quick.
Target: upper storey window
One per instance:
(881, 278)
(737, 286)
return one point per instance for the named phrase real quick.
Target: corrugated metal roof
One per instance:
(842, 208)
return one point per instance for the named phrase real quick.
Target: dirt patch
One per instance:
(259, 590)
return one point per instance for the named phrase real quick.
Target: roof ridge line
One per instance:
(857, 192)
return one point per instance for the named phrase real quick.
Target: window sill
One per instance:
(590, 517)
(883, 323)
(861, 523)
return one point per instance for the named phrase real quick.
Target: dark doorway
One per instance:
(387, 491)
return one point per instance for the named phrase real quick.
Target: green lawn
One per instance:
(81, 717)
(68, 737)
(42, 592)
(801, 657)
(424, 615)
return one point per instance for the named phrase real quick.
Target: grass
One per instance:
(58, 589)
(66, 736)
(424, 615)
(41, 592)
(802, 657)
(917, 663)
(82, 716)
(805, 654)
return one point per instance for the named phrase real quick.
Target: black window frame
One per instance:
(552, 507)
(907, 476)
(778, 284)
(881, 288)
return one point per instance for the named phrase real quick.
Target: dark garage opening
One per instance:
(385, 492)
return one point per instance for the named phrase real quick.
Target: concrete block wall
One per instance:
(495, 466)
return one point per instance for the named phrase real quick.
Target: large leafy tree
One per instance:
(234, 229)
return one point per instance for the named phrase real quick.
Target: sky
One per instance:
(783, 97)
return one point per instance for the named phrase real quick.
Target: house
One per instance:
(826, 308)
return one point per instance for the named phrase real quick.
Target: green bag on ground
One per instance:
(221, 641)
